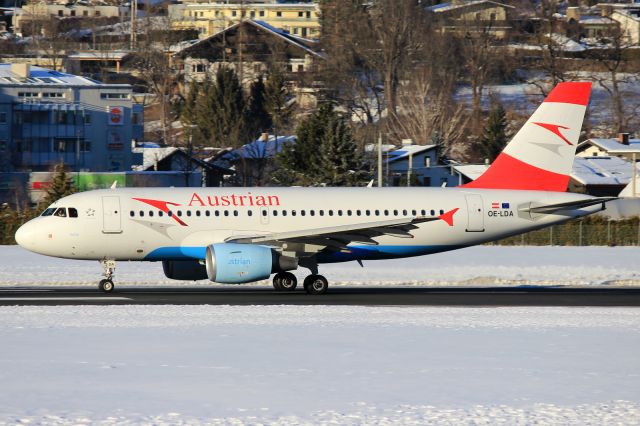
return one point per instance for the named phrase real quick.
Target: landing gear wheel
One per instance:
(106, 286)
(316, 284)
(285, 281)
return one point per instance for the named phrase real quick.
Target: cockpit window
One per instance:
(61, 212)
(73, 212)
(48, 212)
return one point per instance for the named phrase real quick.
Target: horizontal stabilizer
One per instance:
(571, 205)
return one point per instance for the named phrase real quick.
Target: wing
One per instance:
(571, 205)
(337, 238)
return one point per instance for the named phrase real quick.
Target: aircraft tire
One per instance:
(288, 281)
(316, 284)
(277, 282)
(106, 286)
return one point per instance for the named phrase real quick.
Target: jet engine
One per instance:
(186, 270)
(232, 263)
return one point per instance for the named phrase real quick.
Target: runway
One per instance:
(358, 296)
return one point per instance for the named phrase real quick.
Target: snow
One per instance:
(318, 365)
(476, 266)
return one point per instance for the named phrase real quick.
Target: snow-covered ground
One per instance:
(318, 365)
(474, 266)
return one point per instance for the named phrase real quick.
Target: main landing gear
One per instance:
(313, 284)
(109, 267)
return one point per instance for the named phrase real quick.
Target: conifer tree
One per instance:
(276, 95)
(61, 186)
(495, 137)
(324, 154)
(257, 117)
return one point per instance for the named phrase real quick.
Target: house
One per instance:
(471, 16)
(623, 146)
(629, 20)
(178, 166)
(418, 165)
(600, 176)
(251, 48)
(300, 18)
(254, 162)
(48, 117)
(33, 18)
(588, 25)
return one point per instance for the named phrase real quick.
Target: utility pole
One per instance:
(380, 161)
(134, 13)
(634, 175)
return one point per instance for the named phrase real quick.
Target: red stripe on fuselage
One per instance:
(162, 206)
(507, 172)
(574, 92)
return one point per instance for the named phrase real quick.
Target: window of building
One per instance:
(85, 145)
(300, 68)
(3, 145)
(300, 14)
(53, 95)
(279, 14)
(114, 96)
(252, 14)
(234, 13)
(27, 94)
(87, 117)
(262, 13)
(3, 118)
(97, 13)
(308, 15)
(198, 68)
(427, 161)
(73, 13)
(60, 13)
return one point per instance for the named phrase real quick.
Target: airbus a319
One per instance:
(242, 235)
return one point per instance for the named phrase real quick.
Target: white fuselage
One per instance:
(135, 223)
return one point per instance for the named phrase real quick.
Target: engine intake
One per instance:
(232, 263)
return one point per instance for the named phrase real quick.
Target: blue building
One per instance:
(48, 117)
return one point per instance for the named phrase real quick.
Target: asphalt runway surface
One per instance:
(362, 296)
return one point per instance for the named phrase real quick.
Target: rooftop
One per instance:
(41, 76)
(406, 150)
(613, 146)
(601, 171)
(447, 6)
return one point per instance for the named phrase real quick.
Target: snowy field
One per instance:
(474, 266)
(299, 365)
(167, 365)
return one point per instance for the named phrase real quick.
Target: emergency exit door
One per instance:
(111, 223)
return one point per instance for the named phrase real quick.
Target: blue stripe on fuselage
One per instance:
(363, 252)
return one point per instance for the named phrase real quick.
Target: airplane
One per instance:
(243, 235)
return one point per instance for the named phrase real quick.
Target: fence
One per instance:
(590, 231)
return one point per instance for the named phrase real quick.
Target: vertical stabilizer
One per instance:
(540, 156)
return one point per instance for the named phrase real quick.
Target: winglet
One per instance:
(448, 216)
(114, 185)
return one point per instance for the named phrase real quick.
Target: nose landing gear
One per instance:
(109, 267)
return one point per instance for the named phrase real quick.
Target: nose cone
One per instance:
(25, 236)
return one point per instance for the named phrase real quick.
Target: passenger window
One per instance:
(395, 212)
(367, 212)
(330, 212)
(275, 212)
(188, 212)
(312, 212)
(386, 212)
(217, 213)
(348, 212)
(169, 213)
(131, 213)
(284, 212)
(377, 212)
(198, 213)
(235, 212)
(321, 212)
(179, 213)
(264, 213)
(150, 213)
(339, 212)
(423, 212)
(414, 212)
(61, 212)
(226, 212)
(358, 212)
(433, 212)
(207, 213)
(141, 213)
(293, 212)
(302, 213)
(441, 212)
(49, 212)
(404, 212)
(160, 213)
(250, 213)
(73, 212)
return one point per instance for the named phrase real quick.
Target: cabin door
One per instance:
(111, 214)
(475, 213)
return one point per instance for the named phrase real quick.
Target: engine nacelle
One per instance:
(232, 263)
(186, 270)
